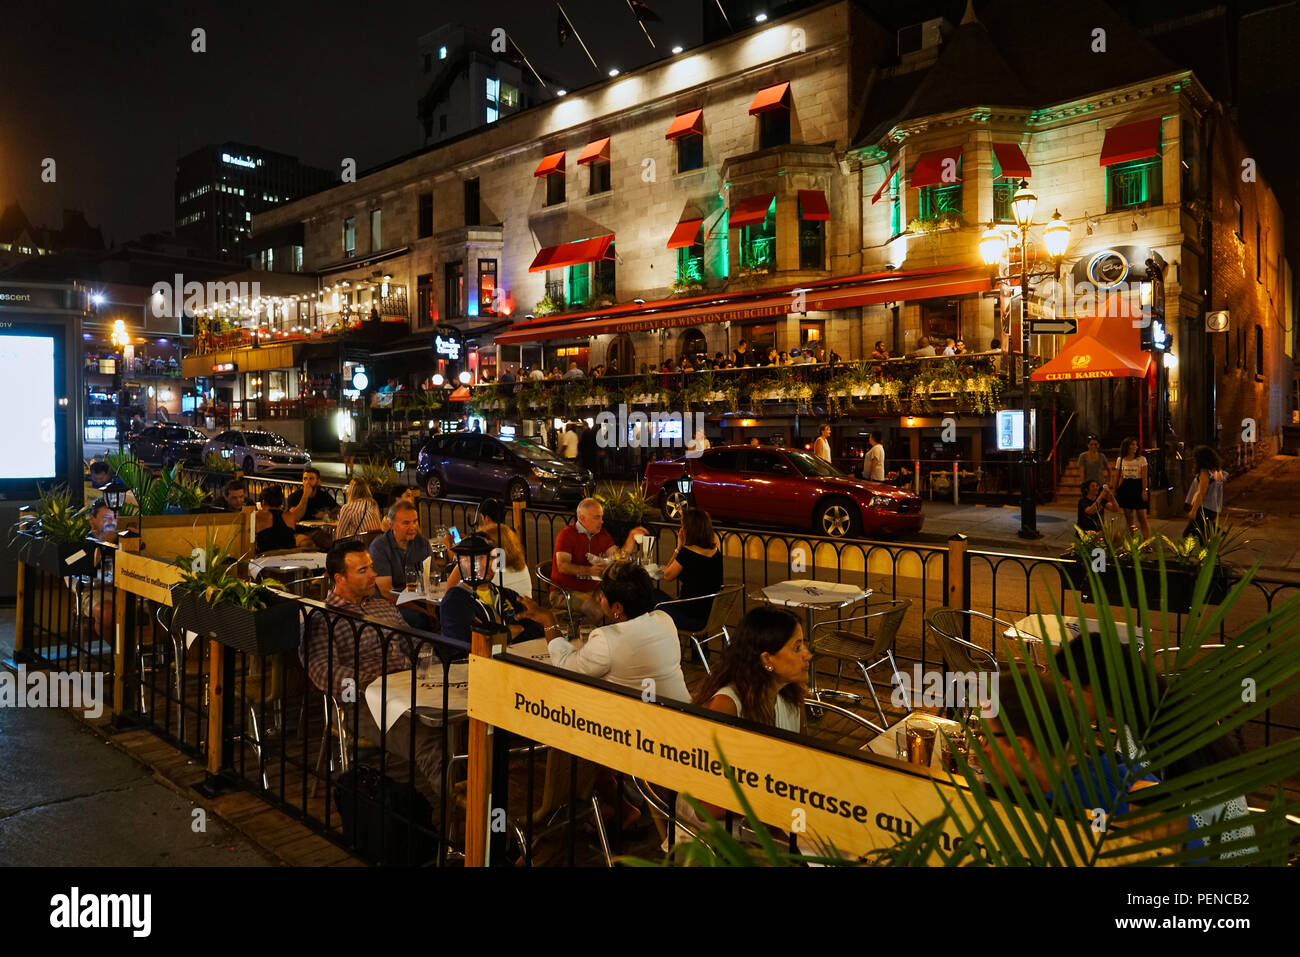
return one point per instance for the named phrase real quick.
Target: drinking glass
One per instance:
(424, 663)
(413, 579)
(921, 732)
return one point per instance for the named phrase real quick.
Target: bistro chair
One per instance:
(336, 728)
(1166, 659)
(815, 710)
(960, 655)
(545, 577)
(715, 626)
(657, 802)
(831, 639)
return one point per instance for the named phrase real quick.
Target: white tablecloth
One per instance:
(804, 593)
(887, 744)
(1052, 629)
(433, 596)
(428, 694)
(307, 561)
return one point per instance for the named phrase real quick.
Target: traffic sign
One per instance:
(1054, 327)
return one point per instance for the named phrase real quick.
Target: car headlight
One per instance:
(881, 501)
(545, 473)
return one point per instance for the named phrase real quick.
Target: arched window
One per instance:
(621, 355)
(692, 343)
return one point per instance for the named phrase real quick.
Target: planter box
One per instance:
(166, 536)
(74, 559)
(266, 632)
(1179, 585)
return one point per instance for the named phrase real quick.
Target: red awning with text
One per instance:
(684, 233)
(1131, 141)
(689, 122)
(572, 254)
(773, 98)
(1012, 160)
(667, 314)
(751, 211)
(931, 168)
(812, 205)
(551, 164)
(1106, 348)
(596, 151)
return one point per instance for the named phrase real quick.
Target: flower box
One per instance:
(1179, 582)
(268, 631)
(54, 558)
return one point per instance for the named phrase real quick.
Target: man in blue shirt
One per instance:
(396, 553)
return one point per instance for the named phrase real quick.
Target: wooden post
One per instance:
(478, 792)
(20, 612)
(216, 698)
(955, 596)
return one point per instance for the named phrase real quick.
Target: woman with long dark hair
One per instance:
(698, 562)
(1206, 494)
(1134, 492)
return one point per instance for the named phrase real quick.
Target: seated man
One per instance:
(95, 601)
(235, 495)
(311, 502)
(478, 604)
(397, 553)
(572, 570)
(342, 658)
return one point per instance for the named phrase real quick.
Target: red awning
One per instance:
(751, 211)
(1107, 348)
(684, 233)
(929, 168)
(572, 254)
(773, 98)
(812, 205)
(923, 284)
(596, 150)
(892, 170)
(551, 164)
(459, 394)
(1131, 141)
(1012, 160)
(689, 122)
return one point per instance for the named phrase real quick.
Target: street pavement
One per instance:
(68, 798)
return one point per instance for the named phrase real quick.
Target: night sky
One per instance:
(112, 92)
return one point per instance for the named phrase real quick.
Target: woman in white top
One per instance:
(1134, 490)
(762, 678)
(359, 514)
(639, 650)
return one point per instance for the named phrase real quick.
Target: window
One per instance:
(721, 460)
(604, 276)
(690, 262)
(690, 152)
(895, 204)
(471, 202)
(599, 178)
(487, 287)
(768, 463)
(1259, 258)
(349, 237)
(758, 243)
(579, 284)
(1241, 220)
(455, 292)
(554, 189)
(509, 96)
(376, 231)
(773, 128)
(1004, 188)
(811, 333)
(938, 202)
(442, 53)
(941, 319)
(812, 244)
(1133, 184)
(425, 218)
(425, 311)
(693, 343)
(491, 114)
(1259, 350)
(493, 98)
(297, 259)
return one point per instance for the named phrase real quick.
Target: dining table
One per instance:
(1051, 631)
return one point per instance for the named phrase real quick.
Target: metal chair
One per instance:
(844, 645)
(813, 707)
(545, 577)
(960, 655)
(1166, 658)
(715, 626)
(659, 811)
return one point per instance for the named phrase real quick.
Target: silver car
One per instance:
(258, 453)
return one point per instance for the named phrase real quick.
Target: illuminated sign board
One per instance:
(240, 161)
(448, 346)
(1010, 426)
(224, 367)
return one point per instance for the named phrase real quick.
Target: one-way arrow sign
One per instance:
(1053, 327)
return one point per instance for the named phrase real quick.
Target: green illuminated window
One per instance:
(1004, 188)
(895, 205)
(1133, 184)
(579, 283)
(690, 263)
(936, 201)
(758, 243)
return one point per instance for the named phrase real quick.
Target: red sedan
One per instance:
(783, 487)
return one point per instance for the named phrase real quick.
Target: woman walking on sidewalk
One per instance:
(1206, 494)
(1093, 464)
(1134, 492)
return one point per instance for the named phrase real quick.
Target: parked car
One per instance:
(258, 452)
(166, 445)
(516, 470)
(783, 487)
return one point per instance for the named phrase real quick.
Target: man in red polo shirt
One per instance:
(570, 567)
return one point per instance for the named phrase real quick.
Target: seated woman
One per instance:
(762, 678)
(639, 646)
(514, 573)
(698, 563)
(274, 531)
(359, 514)
(474, 602)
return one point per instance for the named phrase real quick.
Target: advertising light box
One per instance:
(28, 396)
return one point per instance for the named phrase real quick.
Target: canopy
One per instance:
(1103, 348)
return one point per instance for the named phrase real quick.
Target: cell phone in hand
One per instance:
(455, 535)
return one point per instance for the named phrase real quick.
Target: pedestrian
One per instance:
(873, 468)
(1205, 497)
(1134, 493)
(588, 451)
(995, 345)
(1093, 464)
(822, 445)
(961, 347)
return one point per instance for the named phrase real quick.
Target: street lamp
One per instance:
(993, 246)
(120, 340)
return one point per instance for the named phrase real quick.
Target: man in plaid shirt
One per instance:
(345, 662)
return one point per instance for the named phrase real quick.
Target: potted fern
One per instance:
(624, 506)
(212, 601)
(55, 539)
(381, 477)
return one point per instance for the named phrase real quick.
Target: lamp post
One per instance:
(993, 247)
(120, 340)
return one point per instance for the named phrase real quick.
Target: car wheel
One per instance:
(836, 518)
(672, 504)
(433, 486)
(249, 465)
(518, 491)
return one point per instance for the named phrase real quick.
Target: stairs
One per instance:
(1067, 486)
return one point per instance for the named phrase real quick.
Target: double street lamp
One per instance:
(120, 340)
(993, 248)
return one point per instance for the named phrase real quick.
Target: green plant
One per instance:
(622, 503)
(215, 462)
(687, 286)
(154, 493)
(546, 306)
(56, 519)
(376, 473)
(212, 577)
(940, 222)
